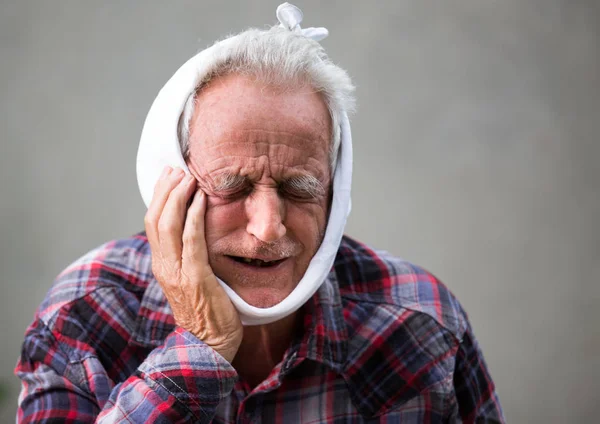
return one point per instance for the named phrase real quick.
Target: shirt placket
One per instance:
(249, 403)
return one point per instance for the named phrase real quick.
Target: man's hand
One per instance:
(180, 264)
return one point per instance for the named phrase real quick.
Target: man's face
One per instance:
(262, 157)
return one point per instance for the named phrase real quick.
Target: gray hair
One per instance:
(280, 58)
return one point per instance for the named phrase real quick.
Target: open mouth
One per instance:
(258, 263)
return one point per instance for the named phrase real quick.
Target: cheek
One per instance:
(307, 222)
(304, 222)
(222, 219)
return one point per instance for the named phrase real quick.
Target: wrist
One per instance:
(226, 346)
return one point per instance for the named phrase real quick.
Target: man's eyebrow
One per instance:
(228, 181)
(306, 183)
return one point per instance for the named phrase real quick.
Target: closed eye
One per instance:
(229, 186)
(233, 193)
(303, 187)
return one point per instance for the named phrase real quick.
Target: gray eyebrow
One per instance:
(228, 181)
(306, 183)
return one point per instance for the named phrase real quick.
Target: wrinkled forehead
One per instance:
(235, 113)
(278, 163)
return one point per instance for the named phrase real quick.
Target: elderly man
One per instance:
(242, 302)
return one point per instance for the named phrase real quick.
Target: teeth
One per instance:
(256, 262)
(248, 260)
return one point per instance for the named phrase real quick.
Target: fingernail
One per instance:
(165, 171)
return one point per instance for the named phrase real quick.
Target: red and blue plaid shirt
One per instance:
(383, 341)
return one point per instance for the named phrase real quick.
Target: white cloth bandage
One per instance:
(290, 17)
(159, 147)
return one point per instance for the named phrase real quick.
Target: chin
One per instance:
(261, 297)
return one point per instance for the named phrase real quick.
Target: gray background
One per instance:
(476, 156)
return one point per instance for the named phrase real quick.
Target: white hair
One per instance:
(284, 59)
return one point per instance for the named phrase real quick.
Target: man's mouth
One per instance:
(255, 262)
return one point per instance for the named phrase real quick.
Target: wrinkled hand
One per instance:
(180, 264)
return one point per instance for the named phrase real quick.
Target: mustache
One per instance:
(282, 248)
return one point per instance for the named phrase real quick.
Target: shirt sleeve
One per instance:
(473, 385)
(183, 380)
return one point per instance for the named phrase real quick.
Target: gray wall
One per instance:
(476, 156)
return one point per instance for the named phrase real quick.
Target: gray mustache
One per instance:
(278, 250)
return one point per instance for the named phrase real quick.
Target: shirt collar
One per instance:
(325, 337)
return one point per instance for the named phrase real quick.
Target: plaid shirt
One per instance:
(383, 341)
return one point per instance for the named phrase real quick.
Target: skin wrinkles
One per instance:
(269, 143)
(269, 151)
(253, 159)
(302, 186)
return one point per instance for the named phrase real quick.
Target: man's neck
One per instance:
(263, 347)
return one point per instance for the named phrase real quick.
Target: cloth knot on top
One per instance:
(290, 17)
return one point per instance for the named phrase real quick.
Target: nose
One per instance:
(265, 212)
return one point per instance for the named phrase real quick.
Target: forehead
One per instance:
(238, 119)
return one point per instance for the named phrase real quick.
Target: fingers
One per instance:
(171, 222)
(164, 219)
(167, 180)
(194, 243)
